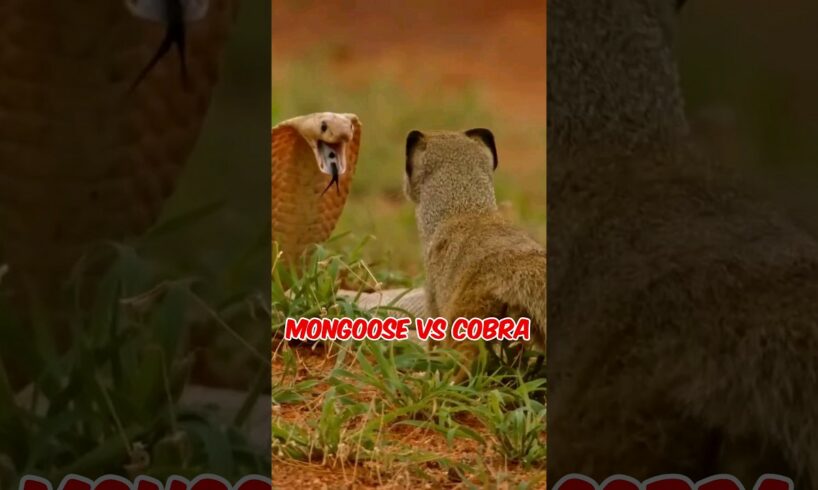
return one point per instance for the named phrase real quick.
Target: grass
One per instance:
(109, 402)
(365, 410)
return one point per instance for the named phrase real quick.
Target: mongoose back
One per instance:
(478, 265)
(683, 312)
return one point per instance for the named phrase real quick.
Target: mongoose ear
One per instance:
(412, 139)
(487, 138)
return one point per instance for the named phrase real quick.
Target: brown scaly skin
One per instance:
(307, 203)
(477, 264)
(86, 156)
(684, 308)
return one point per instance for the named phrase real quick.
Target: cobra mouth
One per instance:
(332, 161)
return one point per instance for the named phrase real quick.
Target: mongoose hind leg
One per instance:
(470, 304)
(476, 304)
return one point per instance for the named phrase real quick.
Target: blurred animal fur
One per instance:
(684, 307)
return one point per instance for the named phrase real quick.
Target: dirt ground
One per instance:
(499, 45)
(287, 473)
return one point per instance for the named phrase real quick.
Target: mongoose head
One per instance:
(455, 161)
(612, 79)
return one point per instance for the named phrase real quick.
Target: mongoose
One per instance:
(478, 265)
(683, 315)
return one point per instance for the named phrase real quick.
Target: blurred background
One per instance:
(418, 65)
(750, 82)
(224, 177)
(171, 336)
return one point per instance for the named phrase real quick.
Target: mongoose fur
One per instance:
(683, 307)
(478, 265)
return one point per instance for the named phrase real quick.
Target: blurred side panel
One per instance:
(682, 272)
(134, 250)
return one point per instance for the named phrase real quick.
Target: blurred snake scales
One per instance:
(87, 154)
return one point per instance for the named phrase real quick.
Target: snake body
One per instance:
(396, 302)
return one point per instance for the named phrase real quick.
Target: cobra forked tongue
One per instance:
(331, 160)
(174, 17)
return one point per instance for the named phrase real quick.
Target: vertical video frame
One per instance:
(408, 227)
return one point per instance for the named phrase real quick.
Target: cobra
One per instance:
(309, 153)
(304, 151)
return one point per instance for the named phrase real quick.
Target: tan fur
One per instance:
(684, 307)
(477, 263)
